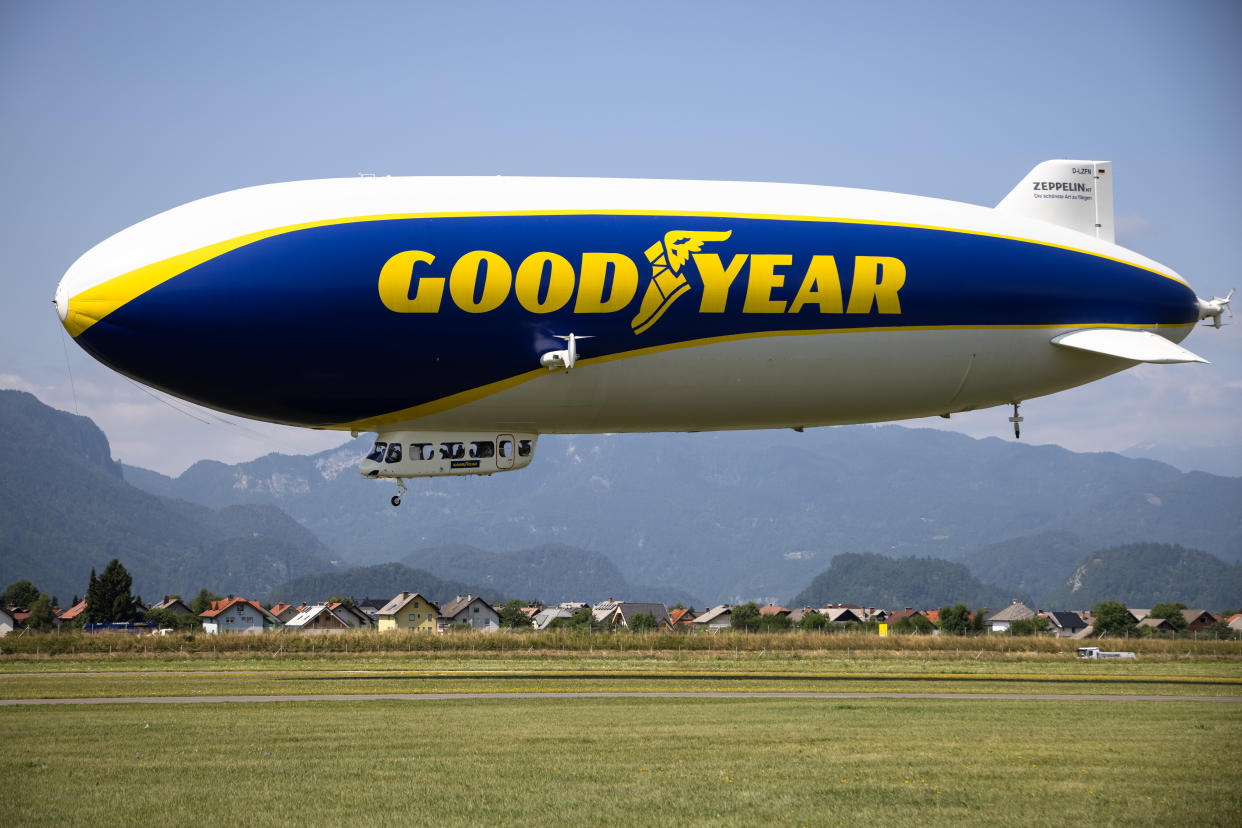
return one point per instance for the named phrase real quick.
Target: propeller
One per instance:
(1214, 307)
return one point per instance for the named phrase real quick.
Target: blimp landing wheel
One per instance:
(396, 500)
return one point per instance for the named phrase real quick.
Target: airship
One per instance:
(459, 318)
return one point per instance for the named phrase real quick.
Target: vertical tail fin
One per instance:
(1073, 194)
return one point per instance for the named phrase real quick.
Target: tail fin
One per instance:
(1073, 194)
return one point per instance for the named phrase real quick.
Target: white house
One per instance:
(7, 624)
(1017, 611)
(716, 618)
(237, 615)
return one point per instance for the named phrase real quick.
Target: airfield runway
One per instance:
(614, 695)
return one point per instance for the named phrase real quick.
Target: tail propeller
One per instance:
(1214, 307)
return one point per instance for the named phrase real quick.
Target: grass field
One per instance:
(625, 762)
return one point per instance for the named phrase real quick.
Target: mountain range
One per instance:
(738, 515)
(700, 519)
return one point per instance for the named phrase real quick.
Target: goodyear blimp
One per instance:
(460, 318)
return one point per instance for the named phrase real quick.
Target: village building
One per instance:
(72, 614)
(1065, 624)
(681, 618)
(1197, 619)
(319, 618)
(544, 618)
(371, 607)
(1160, 624)
(624, 611)
(286, 612)
(842, 615)
(7, 622)
(237, 615)
(409, 611)
(1001, 621)
(472, 610)
(351, 615)
(772, 609)
(715, 619)
(174, 605)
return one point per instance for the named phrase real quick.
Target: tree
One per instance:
(955, 620)
(1029, 626)
(340, 599)
(167, 619)
(41, 616)
(745, 616)
(774, 623)
(1112, 618)
(20, 594)
(979, 621)
(511, 615)
(642, 622)
(812, 620)
(917, 623)
(1171, 612)
(202, 602)
(108, 598)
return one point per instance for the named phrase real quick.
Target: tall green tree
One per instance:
(774, 623)
(812, 620)
(108, 597)
(511, 615)
(745, 616)
(1112, 618)
(642, 622)
(1171, 612)
(1029, 626)
(202, 602)
(41, 615)
(955, 620)
(20, 594)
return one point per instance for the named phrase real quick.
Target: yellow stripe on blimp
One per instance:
(95, 303)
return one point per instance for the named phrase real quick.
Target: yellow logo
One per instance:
(667, 258)
(595, 282)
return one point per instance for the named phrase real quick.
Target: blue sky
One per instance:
(115, 111)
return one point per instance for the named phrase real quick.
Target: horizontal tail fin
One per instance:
(1138, 346)
(1073, 194)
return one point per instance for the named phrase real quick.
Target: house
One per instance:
(1234, 622)
(72, 614)
(1198, 619)
(409, 611)
(544, 618)
(624, 612)
(351, 615)
(7, 622)
(604, 609)
(772, 609)
(1017, 611)
(1138, 614)
(681, 618)
(908, 612)
(237, 615)
(286, 612)
(1065, 624)
(715, 619)
(174, 605)
(371, 607)
(319, 618)
(1161, 624)
(472, 610)
(841, 615)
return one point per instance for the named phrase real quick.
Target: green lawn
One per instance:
(625, 762)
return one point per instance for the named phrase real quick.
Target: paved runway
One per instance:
(432, 697)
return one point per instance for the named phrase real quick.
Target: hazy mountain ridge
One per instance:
(734, 516)
(1145, 574)
(893, 583)
(67, 510)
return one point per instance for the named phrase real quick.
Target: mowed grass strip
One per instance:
(625, 762)
(73, 685)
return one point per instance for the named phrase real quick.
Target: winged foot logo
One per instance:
(607, 282)
(667, 258)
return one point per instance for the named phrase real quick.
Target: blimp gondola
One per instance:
(460, 318)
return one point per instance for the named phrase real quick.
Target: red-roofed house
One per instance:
(681, 618)
(237, 615)
(773, 609)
